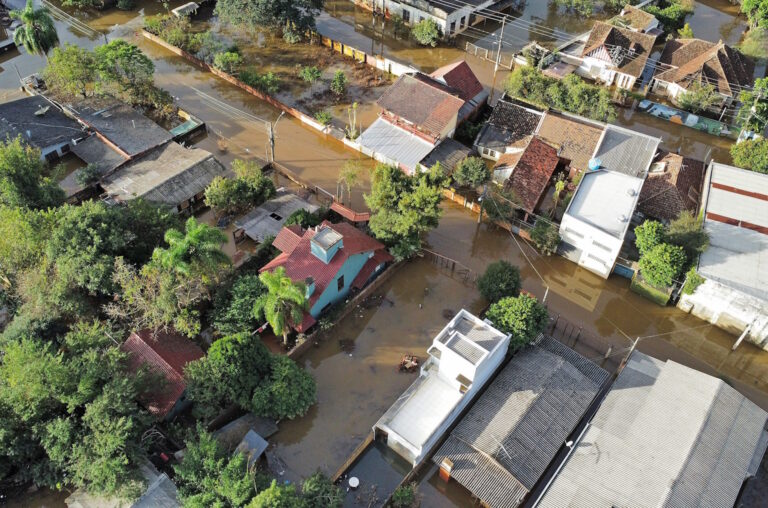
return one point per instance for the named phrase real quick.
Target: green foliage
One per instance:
(755, 44)
(757, 98)
(757, 13)
(751, 154)
(23, 180)
(305, 218)
(662, 264)
(228, 61)
(68, 412)
(284, 303)
(123, 63)
(523, 317)
(545, 236)
(686, 32)
(278, 496)
(471, 172)
(324, 117)
(671, 13)
(648, 235)
(267, 83)
(249, 188)
(71, 71)
(37, 33)
(126, 5)
(289, 392)
(699, 98)
(582, 8)
(692, 281)
(468, 131)
(349, 176)
(293, 17)
(234, 367)
(195, 252)
(208, 476)
(426, 32)
(403, 207)
(310, 74)
(88, 175)
(687, 231)
(339, 83)
(404, 496)
(319, 492)
(501, 279)
(569, 94)
(233, 312)
(205, 45)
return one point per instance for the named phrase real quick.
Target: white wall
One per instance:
(443, 21)
(584, 236)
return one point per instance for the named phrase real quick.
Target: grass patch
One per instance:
(656, 295)
(755, 44)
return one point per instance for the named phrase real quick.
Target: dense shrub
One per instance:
(648, 235)
(545, 236)
(339, 83)
(501, 279)
(471, 172)
(752, 155)
(310, 74)
(661, 265)
(267, 83)
(523, 317)
(228, 61)
(426, 32)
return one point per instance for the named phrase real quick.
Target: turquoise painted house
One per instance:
(331, 259)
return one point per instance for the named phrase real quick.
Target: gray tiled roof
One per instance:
(503, 445)
(626, 151)
(17, 118)
(665, 435)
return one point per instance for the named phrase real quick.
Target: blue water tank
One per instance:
(594, 164)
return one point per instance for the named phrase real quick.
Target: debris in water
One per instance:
(347, 346)
(448, 313)
(409, 363)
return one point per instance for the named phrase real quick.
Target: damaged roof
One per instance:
(509, 122)
(531, 173)
(627, 49)
(673, 185)
(38, 122)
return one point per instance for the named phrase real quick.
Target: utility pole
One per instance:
(753, 112)
(481, 200)
(498, 58)
(271, 132)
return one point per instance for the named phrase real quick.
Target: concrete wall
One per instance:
(730, 310)
(585, 237)
(332, 294)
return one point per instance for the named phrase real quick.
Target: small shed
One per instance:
(268, 219)
(188, 9)
(253, 446)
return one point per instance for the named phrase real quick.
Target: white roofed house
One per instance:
(597, 219)
(734, 295)
(462, 358)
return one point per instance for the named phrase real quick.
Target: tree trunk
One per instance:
(285, 338)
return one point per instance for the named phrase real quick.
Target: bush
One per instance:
(228, 61)
(500, 280)
(126, 5)
(545, 236)
(205, 45)
(175, 37)
(752, 155)
(662, 264)
(267, 83)
(404, 496)
(426, 32)
(692, 281)
(523, 317)
(249, 188)
(471, 172)
(648, 235)
(306, 219)
(699, 98)
(319, 492)
(233, 310)
(339, 83)
(687, 231)
(289, 392)
(670, 13)
(310, 74)
(324, 117)
(88, 175)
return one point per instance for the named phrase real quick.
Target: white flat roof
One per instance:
(606, 200)
(395, 143)
(432, 401)
(734, 202)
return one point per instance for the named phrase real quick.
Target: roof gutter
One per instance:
(562, 464)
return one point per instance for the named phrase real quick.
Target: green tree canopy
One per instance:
(125, 64)
(71, 72)
(426, 32)
(289, 392)
(236, 195)
(278, 496)
(661, 265)
(754, 105)
(471, 172)
(757, 12)
(648, 235)
(687, 231)
(403, 207)
(233, 310)
(293, 17)
(501, 279)
(686, 32)
(545, 236)
(37, 33)
(195, 252)
(523, 317)
(283, 304)
(751, 154)
(319, 491)
(23, 179)
(699, 98)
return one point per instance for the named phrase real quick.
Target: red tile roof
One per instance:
(677, 188)
(426, 105)
(350, 214)
(532, 173)
(300, 263)
(165, 353)
(288, 238)
(379, 257)
(459, 76)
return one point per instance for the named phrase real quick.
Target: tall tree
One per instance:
(23, 179)
(37, 32)
(283, 304)
(194, 252)
(349, 176)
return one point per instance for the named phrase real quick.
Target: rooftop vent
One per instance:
(658, 167)
(631, 192)
(622, 218)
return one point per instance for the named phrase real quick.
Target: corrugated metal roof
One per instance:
(395, 143)
(665, 435)
(626, 151)
(502, 446)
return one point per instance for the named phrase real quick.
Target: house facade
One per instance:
(614, 55)
(693, 62)
(452, 17)
(331, 259)
(462, 359)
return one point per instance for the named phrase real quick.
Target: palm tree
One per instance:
(349, 176)
(37, 32)
(283, 304)
(195, 251)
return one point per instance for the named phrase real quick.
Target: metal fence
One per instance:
(505, 61)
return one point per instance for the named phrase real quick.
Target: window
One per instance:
(406, 15)
(601, 246)
(340, 283)
(452, 29)
(461, 23)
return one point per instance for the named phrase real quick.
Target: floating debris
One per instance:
(409, 363)
(448, 313)
(347, 346)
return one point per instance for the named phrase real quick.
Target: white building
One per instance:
(597, 218)
(462, 359)
(735, 265)
(452, 17)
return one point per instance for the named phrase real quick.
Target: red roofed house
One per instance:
(460, 77)
(331, 259)
(527, 172)
(166, 354)
(673, 185)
